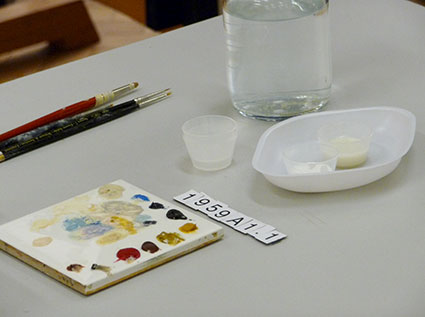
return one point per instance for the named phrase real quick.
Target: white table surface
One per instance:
(359, 252)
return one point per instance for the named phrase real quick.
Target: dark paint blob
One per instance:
(128, 254)
(148, 223)
(175, 215)
(75, 267)
(149, 247)
(102, 268)
(155, 205)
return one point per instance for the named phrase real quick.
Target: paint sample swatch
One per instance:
(105, 236)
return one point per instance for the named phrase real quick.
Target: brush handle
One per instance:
(69, 127)
(56, 115)
(24, 137)
(69, 111)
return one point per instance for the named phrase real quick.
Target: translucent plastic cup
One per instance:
(351, 139)
(210, 141)
(310, 158)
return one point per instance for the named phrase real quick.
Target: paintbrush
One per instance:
(79, 123)
(71, 110)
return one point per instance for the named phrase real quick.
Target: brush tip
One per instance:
(136, 84)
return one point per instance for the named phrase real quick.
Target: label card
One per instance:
(251, 226)
(271, 237)
(212, 207)
(202, 201)
(222, 214)
(187, 196)
(238, 222)
(219, 211)
(261, 231)
(235, 219)
(195, 203)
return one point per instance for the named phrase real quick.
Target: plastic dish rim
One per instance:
(266, 133)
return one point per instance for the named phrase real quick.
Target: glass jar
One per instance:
(278, 56)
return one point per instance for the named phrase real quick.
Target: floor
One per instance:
(114, 28)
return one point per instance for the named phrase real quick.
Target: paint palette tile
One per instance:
(105, 236)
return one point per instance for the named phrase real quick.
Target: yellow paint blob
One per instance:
(121, 208)
(171, 238)
(43, 223)
(123, 223)
(111, 191)
(41, 242)
(80, 204)
(112, 237)
(188, 228)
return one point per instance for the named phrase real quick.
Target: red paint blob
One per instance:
(128, 254)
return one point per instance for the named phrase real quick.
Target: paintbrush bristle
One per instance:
(136, 84)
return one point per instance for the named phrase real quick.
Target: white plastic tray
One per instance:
(393, 128)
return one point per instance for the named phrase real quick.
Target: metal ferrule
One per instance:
(152, 98)
(123, 90)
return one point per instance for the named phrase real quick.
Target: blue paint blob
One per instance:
(142, 218)
(91, 231)
(77, 223)
(94, 230)
(140, 197)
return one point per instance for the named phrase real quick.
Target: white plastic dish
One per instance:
(310, 158)
(393, 134)
(352, 141)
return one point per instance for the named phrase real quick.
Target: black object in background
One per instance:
(163, 14)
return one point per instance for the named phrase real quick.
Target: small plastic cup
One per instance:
(351, 139)
(310, 158)
(210, 141)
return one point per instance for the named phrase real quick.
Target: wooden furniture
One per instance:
(422, 2)
(164, 15)
(65, 24)
(133, 8)
(115, 29)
